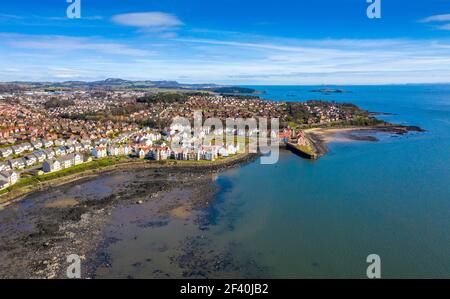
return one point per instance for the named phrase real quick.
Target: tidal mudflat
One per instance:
(136, 223)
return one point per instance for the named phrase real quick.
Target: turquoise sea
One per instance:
(306, 219)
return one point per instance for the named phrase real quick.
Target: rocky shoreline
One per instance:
(17, 195)
(40, 231)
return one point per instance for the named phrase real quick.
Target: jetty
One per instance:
(302, 151)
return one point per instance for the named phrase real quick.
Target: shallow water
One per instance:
(322, 219)
(299, 218)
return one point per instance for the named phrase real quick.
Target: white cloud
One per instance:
(148, 20)
(64, 44)
(7, 17)
(444, 27)
(240, 60)
(436, 18)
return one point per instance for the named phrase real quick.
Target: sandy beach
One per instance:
(319, 137)
(342, 134)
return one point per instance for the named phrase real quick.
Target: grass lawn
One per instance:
(34, 180)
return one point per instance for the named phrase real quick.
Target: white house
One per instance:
(16, 163)
(6, 152)
(232, 150)
(51, 165)
(124, 150)
(30, 160)
(99, 152)
(77, 159)
(49, 153)
(40, 156)
(60, 142)
(60, 151)
(47, 143)
(27, 146)
(36, 144)
(142, 154)
(10, 176)
(78, 147)
(86, 144)
(66, 161)
(164, 154)
(5, 166)
(16, 149)
(71, 141)
(113, 151)
(70, 149)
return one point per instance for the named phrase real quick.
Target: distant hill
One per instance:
(117, 83)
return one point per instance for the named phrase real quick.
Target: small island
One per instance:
(328, 90)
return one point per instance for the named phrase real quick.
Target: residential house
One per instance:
(51, 165)
(78, 147)
(30, 160)
(5, 166)
(5, 152)
(77, 158)
(164, 154)
(60, 151)
(66, 161)
(87, 144)
(71, 141)
(47, 143)
(17, 149)
(16, 163)
(60, 142)
(37, 144)
(27, 146)
(49, 153)
(209, 156)
(113, 151)
(10, 176)
(40, 156)
(124, 150)
(70, 149)
(223, 152)
(142, 153)
(99, 152)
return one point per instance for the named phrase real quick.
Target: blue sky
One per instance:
(227, 41)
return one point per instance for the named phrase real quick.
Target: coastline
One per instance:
(320, 136)
(218, 165)
(80, 220)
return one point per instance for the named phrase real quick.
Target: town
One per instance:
(45, 131)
